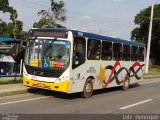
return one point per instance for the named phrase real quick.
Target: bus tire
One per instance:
(126, 83)
(88, 89)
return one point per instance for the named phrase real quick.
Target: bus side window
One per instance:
(126, 53)
(134, 53)
(79, 50)
(93, 49)
(141, 54)
(117, 51)
(106, 50)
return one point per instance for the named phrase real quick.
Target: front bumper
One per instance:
(60, 86)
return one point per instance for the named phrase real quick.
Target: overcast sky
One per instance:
(108, 17)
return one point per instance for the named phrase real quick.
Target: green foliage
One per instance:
(2, 27)
(140, 33)
(23, 35)
(4, 5)
(14, 28)
(6, 30)
(155, 70)
(52, 18)
(42, 22)
(4, 82)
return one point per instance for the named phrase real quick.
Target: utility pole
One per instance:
(149, 40)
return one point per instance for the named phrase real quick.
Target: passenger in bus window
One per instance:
(98, 48)
(76, 55)
(78, 52)
(110, 53)
(93, 54)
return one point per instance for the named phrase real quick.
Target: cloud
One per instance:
(86, 17)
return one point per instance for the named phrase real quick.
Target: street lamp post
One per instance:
(149, 41)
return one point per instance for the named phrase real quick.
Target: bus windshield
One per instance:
(48, 53)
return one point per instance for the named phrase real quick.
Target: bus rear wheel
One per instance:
(88, 89)
(126, 83)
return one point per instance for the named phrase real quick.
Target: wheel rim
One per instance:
(88, 88)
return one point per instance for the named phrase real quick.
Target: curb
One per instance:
(10, 78)
(20, 91)
(9, 93)
(150, 77)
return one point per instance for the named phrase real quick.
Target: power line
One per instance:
(73, 12)
(96, 18)
(102, 19)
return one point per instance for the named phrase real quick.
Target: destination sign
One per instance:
(55, 34)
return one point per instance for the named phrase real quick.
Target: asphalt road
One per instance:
(141, 98)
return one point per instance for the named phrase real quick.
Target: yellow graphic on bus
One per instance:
(51, 64)
(34, 62)
(101, 76)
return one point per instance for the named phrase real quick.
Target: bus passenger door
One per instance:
(78, 67)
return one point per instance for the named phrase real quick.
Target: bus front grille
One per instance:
(44, 72)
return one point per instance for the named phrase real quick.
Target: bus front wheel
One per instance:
(88, 89)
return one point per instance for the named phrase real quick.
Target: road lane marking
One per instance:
(13, 102)
(135, 104)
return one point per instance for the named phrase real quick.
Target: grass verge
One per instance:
(3, 82)
(155, 70)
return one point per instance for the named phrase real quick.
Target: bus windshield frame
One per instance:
(48, 53)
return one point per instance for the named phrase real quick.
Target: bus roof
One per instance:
(92, 36)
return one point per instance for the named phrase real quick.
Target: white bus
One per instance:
(73, 61)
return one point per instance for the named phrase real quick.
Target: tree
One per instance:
(53, 17)
(140, 33)
(4, 6)
(8, 30)
(13, 17)
(14, 28)
(2, 26)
